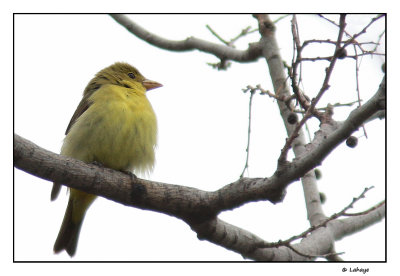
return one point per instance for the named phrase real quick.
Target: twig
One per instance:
(378, 42)
(277, 96)
(366, 211)
(224, 63)
(328, 41)
(280, 18)
(244, 32)
(334, 216)
(352, 37)
(330, 106)
(328, 255)
(334, 23)
(329, 58)
(358, 86)
(246, 165)
(217, 36)
(364, 30)
(325, 85)
(297, 48)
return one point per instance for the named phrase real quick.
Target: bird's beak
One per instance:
(149, 84)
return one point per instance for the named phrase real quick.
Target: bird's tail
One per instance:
(55, 191)
(68, 235)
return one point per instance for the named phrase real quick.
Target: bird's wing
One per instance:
(82, 107)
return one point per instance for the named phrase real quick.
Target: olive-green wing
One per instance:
(82, 107)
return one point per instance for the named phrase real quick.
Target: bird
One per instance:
(114, 125)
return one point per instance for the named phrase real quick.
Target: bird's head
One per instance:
(122, 74)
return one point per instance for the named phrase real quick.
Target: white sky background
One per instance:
(203, 119)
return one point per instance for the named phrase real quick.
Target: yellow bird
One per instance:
(114, 125)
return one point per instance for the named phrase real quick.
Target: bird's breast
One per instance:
(119, 130)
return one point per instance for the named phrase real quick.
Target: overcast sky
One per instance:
(203, 119)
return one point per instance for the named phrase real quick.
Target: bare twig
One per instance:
(352, 38)
(364, 30)
(246, 165)
(332, 217)
(305, 233)
(330, 106)
(243, 33)
(358, 86)
(224, 63)
(217, 35)
(325, 85)
(379, 40)
(328, 255)
(366, 211)
(280, 18)
(297, 52)
(329, 58)
(328, 41)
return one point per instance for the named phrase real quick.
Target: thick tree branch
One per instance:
(200, 208)
(179, 201)
(184, 201)
(243, 242)
(223, 52)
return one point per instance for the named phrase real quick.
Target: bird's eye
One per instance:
(131, 75)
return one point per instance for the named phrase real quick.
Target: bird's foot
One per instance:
(131, 174)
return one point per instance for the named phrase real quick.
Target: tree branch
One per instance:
(348, 226)
(184, 201)
(278, 77)
(191, 43)
(196, 207)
